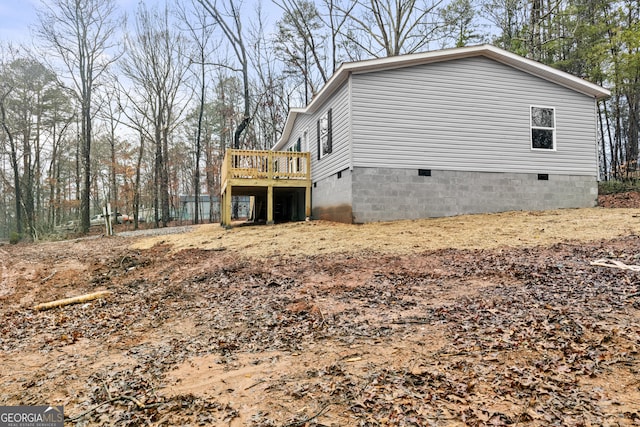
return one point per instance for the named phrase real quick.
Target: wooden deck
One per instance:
(246, 172)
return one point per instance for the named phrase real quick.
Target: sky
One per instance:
(15, 19)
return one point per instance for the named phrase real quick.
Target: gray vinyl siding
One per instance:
(301, 125)
(469, 114)
(340, 157)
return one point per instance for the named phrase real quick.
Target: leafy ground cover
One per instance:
(475, 320)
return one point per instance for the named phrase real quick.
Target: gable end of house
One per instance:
(403, 61)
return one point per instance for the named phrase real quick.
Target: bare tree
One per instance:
(229, 21)
(62, 118)
(301, 44)
(6, 88)
(110, 113)
(155, 65)
(393, 27)
(80, 33)
(271, 107)
(200, 30)
(336, 17)
(309, 38)
(137, 184)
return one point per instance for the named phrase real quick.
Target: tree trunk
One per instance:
(27, 181)
(632, 133)
(196, 171)
(605, 169)
(534, 36)
(85, 198)
(54, 184)
(113, 188)
(247, 101)
(166, 214)
(15, 167)
(136, 194)
(157, 180)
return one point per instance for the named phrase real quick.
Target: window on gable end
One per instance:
(543, 128)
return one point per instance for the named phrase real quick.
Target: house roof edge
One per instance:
(535, 68)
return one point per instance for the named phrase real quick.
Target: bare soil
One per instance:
(472, 320)
(629, 199)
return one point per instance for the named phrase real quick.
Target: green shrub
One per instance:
(14, 237)
(614, 186)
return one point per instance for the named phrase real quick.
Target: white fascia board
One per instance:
(516, 61)
(546, 72)
(288, 127)
(327, 90)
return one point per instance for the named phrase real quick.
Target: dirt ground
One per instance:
(630, 199)
(473, 320)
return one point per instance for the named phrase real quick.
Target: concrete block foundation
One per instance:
(331, 198)
(384, 194)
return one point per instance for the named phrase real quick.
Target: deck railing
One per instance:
(254, 164)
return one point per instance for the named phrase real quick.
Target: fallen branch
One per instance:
(73, 300)
(615, 264)
(122, 260)
(322, 316)
(412, 321)
(139, 404)
(49, 276)
(255, 384)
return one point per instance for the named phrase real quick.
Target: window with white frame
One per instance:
(324, 134)
(543, 128)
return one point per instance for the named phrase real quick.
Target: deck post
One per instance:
(227, 206)
(270, 165)
(270, 204)
(307, 202)
(307, 190)
(222, 208)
